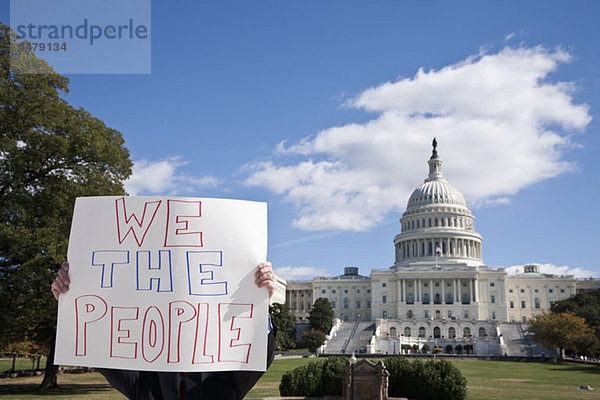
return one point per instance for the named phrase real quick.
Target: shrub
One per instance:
(317, 378)
(313, 339)
(433, 379)
(333, 375)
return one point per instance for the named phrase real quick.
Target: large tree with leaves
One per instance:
(585, 305)
(286, 326)
(50, 154)
(321, 315)
(565, 331)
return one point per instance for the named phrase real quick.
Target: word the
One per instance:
(154, 270)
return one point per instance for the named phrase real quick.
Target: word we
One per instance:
(182, 220)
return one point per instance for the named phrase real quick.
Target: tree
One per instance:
(563, 330)
(313, 339)
(50, 154)
(585, 305)
(321, 315)
(285, 323)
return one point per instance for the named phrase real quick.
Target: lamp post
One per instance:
(352, 362)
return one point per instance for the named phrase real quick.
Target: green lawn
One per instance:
(503, 380)
(488, 380)
(21, 363)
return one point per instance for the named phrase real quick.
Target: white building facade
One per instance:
(438, 292)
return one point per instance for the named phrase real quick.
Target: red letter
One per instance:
(182, 213)
(229, 347)
(180, 312)
(88, 309)
(202, 333)
(123, 349)
(125, 224)
(153, 334)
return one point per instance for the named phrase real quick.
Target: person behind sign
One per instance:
(152, 385)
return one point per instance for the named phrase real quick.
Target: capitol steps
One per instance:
(350, 336)
(518, 341)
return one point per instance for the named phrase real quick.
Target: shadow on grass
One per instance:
(63, 390)
(590, 369)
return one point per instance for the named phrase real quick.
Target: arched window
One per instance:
(449, 299)
(451, 333)
(537, 303)
(421, 332)
(482, 332)
(437, 332)
(409, 298)
(437, 299)
(407, 331)
(409, 314)
(425, 298)
(393, 332)
(346, 302)
(467, 332)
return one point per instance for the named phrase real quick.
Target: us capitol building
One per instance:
(438, 292)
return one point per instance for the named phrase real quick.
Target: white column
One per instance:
(430, 291)
(476, 289)
(403, 292)
(443, 291)
(418, 291)
(470, 290)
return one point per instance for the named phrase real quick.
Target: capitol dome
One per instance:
(437, 222)
(437, 191)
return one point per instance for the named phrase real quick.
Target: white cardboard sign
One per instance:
(165, 284)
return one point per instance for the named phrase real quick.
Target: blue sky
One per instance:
(326, 110)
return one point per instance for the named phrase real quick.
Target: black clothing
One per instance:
(153, 385)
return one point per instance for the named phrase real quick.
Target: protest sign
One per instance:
(165, 284)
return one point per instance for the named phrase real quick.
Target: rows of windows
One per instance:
(536, 303)
(550, 290)
(333, 291)
(346, 303)
(437, 332)
(452, 222)
(437, 314)
(439, 246)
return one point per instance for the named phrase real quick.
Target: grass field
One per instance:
(21, 363)
(487, 380)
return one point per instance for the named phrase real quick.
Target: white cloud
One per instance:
(161, 178)
(300, 272)
(555, 269)
(501, 124)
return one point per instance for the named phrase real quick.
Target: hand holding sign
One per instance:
(165, 284)
(264, 278)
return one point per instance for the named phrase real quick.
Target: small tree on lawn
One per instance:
(313, 339)
(321, 316)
